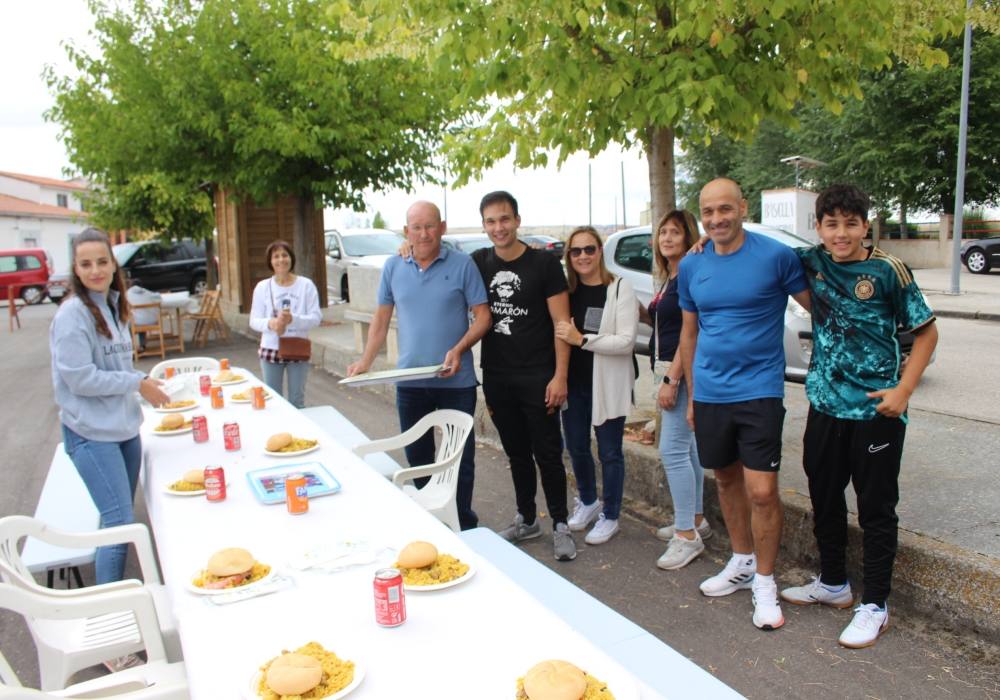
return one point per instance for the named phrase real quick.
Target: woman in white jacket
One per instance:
(284, 305)
(601, 333)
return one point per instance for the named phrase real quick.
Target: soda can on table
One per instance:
(296, 495)
(231, 435)
(257, 397)
(169, 372)
(390, 598)
(217, 400)
(215, 483)
(224, 363)
(199, 428)
(205, 384)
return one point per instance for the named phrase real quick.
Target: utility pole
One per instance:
(963, 131)
(624, 225)
(444, 189)
(590, 194)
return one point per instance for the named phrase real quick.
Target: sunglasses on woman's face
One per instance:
(588, 249)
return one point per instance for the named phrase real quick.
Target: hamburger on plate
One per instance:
(308, 672)
(286, 442)
(172, 422)
(230, 568)
(421, 564)
(193, 480)
(560, 680)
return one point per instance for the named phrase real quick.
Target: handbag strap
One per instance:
(656, 323)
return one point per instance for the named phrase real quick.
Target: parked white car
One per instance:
(369, 247)
(629, 254)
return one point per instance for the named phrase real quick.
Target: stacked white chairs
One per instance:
(157, 679)
(438, 495)
(66, 645)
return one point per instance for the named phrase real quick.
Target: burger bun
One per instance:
(278, 441)
(417, 555)
(172, 421)
(555, 680)
(293, 674)
(194, 476)
(229, 562)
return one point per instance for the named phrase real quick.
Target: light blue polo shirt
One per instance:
(432, 311)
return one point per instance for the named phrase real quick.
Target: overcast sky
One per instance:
(31, 35)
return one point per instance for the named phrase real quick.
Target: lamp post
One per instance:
(963, 129)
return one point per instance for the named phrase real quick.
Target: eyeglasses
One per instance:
(588, 249)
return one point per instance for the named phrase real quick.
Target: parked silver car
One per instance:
(369, 247)
(629, 254)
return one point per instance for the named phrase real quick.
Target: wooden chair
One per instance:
(207, 319)
(13, 304)
(149, 329)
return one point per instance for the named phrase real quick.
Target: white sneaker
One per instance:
(869, 622)
(603, 531)
(681, 552)
(766, 610)
(737, 575)
(817, 592)
(703, 529)
(583, 515)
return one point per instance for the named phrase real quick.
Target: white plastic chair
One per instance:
(185, 365)
(437, 496)
(155, 680)
(67, 645)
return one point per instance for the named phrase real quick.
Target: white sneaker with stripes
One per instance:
(736, 576)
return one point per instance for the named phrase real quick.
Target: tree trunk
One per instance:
(660, 159)
(902, 220)
(305, 254)
(211, 276)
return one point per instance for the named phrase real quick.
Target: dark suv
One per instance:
(162, 266)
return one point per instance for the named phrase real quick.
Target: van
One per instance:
(27, 270)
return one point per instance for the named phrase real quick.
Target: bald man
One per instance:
(733, 300)
(432, 291)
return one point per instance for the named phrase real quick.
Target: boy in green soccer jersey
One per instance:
(858, 391)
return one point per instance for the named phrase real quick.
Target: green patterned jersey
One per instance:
(858, 309)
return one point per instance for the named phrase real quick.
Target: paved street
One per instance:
(802, 660)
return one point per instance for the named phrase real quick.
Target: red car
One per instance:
(27, 270)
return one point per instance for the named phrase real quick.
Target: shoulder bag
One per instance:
(290, 349)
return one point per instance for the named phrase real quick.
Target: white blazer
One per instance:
(612, 345)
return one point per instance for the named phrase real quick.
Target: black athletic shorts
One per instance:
(748, 431)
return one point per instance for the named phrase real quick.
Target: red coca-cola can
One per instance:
(205, 384)
(215, 484)
(390, 599)
(257, 396)
(199, 428)
(231, 435)
(216, 394)
(296, 494)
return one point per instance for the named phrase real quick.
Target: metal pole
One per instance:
(590, 195)
(624, 225)
(444, 189)
(963, 129)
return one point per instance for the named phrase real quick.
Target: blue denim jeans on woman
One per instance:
(576, 429)
(297, 372)
(110, 470)
(413, 403)
(679, 453)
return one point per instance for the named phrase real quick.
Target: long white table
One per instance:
(470, 641)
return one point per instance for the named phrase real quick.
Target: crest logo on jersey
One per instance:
(864, 289)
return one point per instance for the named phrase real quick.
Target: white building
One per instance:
(41, 212)
(792, 210)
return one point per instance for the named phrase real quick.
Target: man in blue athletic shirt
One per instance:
(733, 298)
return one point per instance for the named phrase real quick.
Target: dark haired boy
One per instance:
(858, 389)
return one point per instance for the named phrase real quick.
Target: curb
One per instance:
(969, 315)
(958, 589)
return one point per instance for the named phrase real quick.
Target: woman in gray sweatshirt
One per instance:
(97, 389)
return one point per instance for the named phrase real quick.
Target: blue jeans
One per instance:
(576, 427)
(110, 470)
(413, 403)
(679, 453)
(297, 372)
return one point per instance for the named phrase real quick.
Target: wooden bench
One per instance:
(652, 662)
(65, 504)
(348, 435)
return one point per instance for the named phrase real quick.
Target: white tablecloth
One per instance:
(468, 642)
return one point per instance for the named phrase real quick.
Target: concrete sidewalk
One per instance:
(949, 549)
(979, 295)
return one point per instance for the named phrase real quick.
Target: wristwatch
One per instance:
(667, 380)
(583, 340)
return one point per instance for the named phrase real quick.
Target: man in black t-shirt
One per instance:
(524, 367)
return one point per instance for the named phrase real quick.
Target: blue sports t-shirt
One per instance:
(740, 300)
(432, 312)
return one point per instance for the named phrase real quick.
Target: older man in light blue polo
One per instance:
(432, 291)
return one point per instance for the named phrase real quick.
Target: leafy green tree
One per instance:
(577, 75)
(378, 221)
(182, 97)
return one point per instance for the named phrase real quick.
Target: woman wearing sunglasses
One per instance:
(676, 234)
(601, 333)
